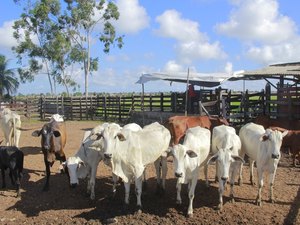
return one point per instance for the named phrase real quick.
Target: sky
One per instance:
(206, 36)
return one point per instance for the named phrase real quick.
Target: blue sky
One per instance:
(173, 35)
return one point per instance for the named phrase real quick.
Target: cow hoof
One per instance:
(111, 220)
(258, 203)
(139, 210)
(189, 215)
(220, 207)
(178, 202)
(272, 201)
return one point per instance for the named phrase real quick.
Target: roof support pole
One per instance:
(187, 92)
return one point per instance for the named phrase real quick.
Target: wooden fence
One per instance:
(237, 107)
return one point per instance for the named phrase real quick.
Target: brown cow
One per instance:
(53, 141)
(267, 122)
(178, 125)
(291, 141)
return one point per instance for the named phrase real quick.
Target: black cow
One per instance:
(53, 140)
(13, 159)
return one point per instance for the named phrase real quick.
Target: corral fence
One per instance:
(237, 107)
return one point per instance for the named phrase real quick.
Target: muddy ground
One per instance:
(62, 205)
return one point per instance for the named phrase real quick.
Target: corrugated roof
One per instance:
(273, 71)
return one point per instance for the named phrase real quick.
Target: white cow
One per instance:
(262, 146)
(85, 162)
(188, 158)
(131, 151)
(226, 147)
(11, 125)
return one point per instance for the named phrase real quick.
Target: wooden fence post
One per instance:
(42, 115)
(105, 108)
(268, 98)
(119, 105)
(161, 102)
(80, 108)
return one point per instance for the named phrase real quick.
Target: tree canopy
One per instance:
(54, 36)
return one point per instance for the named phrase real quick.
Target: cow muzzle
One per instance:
(107, 155)
(178, 175)
(275, 156)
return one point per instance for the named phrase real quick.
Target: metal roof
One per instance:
(272, 71)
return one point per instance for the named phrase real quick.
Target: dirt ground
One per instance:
(63, 205)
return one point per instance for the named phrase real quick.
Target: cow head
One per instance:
(76, 168)
(48, 132)
(273, 141)
(224, 158)
(181, 154)
(111, 136)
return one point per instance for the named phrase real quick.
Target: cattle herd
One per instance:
(192, 141)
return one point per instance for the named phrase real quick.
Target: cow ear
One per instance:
(191, 153)
(36, 133)
(212, 159)
(264, 137)
(56, 133)
(98, 136)
(238, 158)
(121, 137)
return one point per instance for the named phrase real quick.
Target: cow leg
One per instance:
(251, 163)
(12, 179)
(127, 192)
(221, 191)
(3, 178)
(216, 174)
(271, 184)
(260, 186)
(178, 188)
(138, 192)
(47, 165)
(17, 183)
(234, 169)
(158, 175)
(240, 179)
(93, 181)
(192, 195)
(115, 179)
(144, 180)
(164, 171)
(206, 175)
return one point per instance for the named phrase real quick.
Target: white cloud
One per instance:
(6, 34)
(283, 52)
(172, 66)
(258, 20)
(191, 43)
(133, 17)
(269, 36)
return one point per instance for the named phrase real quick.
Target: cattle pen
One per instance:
(237, 107)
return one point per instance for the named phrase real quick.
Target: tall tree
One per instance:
(80, 25)
(8, 82)
(41, 43)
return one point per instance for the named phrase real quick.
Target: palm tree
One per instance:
(8, 82)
